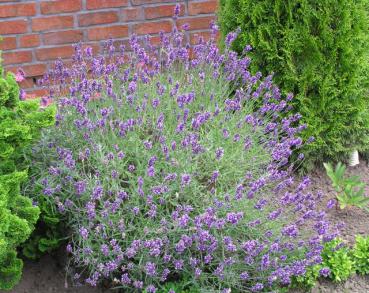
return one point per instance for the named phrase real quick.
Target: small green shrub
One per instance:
(308, 280)
(360, 254)
(20, 124)
(319, 51)
(350, 190)
(339, 263)
(336, 256)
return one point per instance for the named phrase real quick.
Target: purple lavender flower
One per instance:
(148, 145)
(290, 231)
(105, 249)
(114, 174)
(178, 264)
(325, 272)
(151, 289)
(234, 218)
(125, 279)
(122, 195)
(231, 37)
(80, 187)
(183, 221)
(214, 176)
(83, 232)
(219, 152)
(185, 27)
(90, 209)
(121, 155)
(185, 179)
(219, 272)
(171, 177)
(138, 284)
(151, 171)
(48, 191)
(97, 192)
(136, 210)
(177, 10)
(244, 276)
(249, 246)
(207, 259)
(331, 203)
(257, 287)
(150, 269)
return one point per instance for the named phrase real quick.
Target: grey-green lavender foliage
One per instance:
(164, 171)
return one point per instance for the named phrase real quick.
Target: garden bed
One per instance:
(48, 274)
(356, 223)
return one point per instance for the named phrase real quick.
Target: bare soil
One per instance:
(356, 222)
(48, 274)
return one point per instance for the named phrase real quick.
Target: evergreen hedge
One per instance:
(319, 51)
(20, 124)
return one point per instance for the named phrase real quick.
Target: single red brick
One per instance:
(13, 27)
(97, 18)
(68, 63)
(155, 40)
(28, 41)
(101, 33)
(97, 4)
(30, 70)
(132, 14)
(153, 27)
(161, 11)
(20, 9)
(95, 47)
(63, 37)
(119, 43)
(16, 57)
(194, 37)
(51, 23)
(63, 52)
(36, 93)
(191, 53)
(205, 7)
(8, 43)
(28, 82)
(60, 6)
(140, 2)
(197, 23)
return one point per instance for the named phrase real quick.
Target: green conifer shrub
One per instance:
(20, 124)
(319, 51)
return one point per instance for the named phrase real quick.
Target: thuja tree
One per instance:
(20, 123)
(319, 51)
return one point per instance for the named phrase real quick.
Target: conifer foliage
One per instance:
(20, 123)
(319, 51)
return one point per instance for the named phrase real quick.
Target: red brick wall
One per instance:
(37, 32)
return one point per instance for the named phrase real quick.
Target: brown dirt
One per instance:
(356, 222)
(48, 274)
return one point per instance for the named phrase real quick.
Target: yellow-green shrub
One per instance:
(20, 123)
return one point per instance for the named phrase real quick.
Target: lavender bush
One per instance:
(163, 170)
